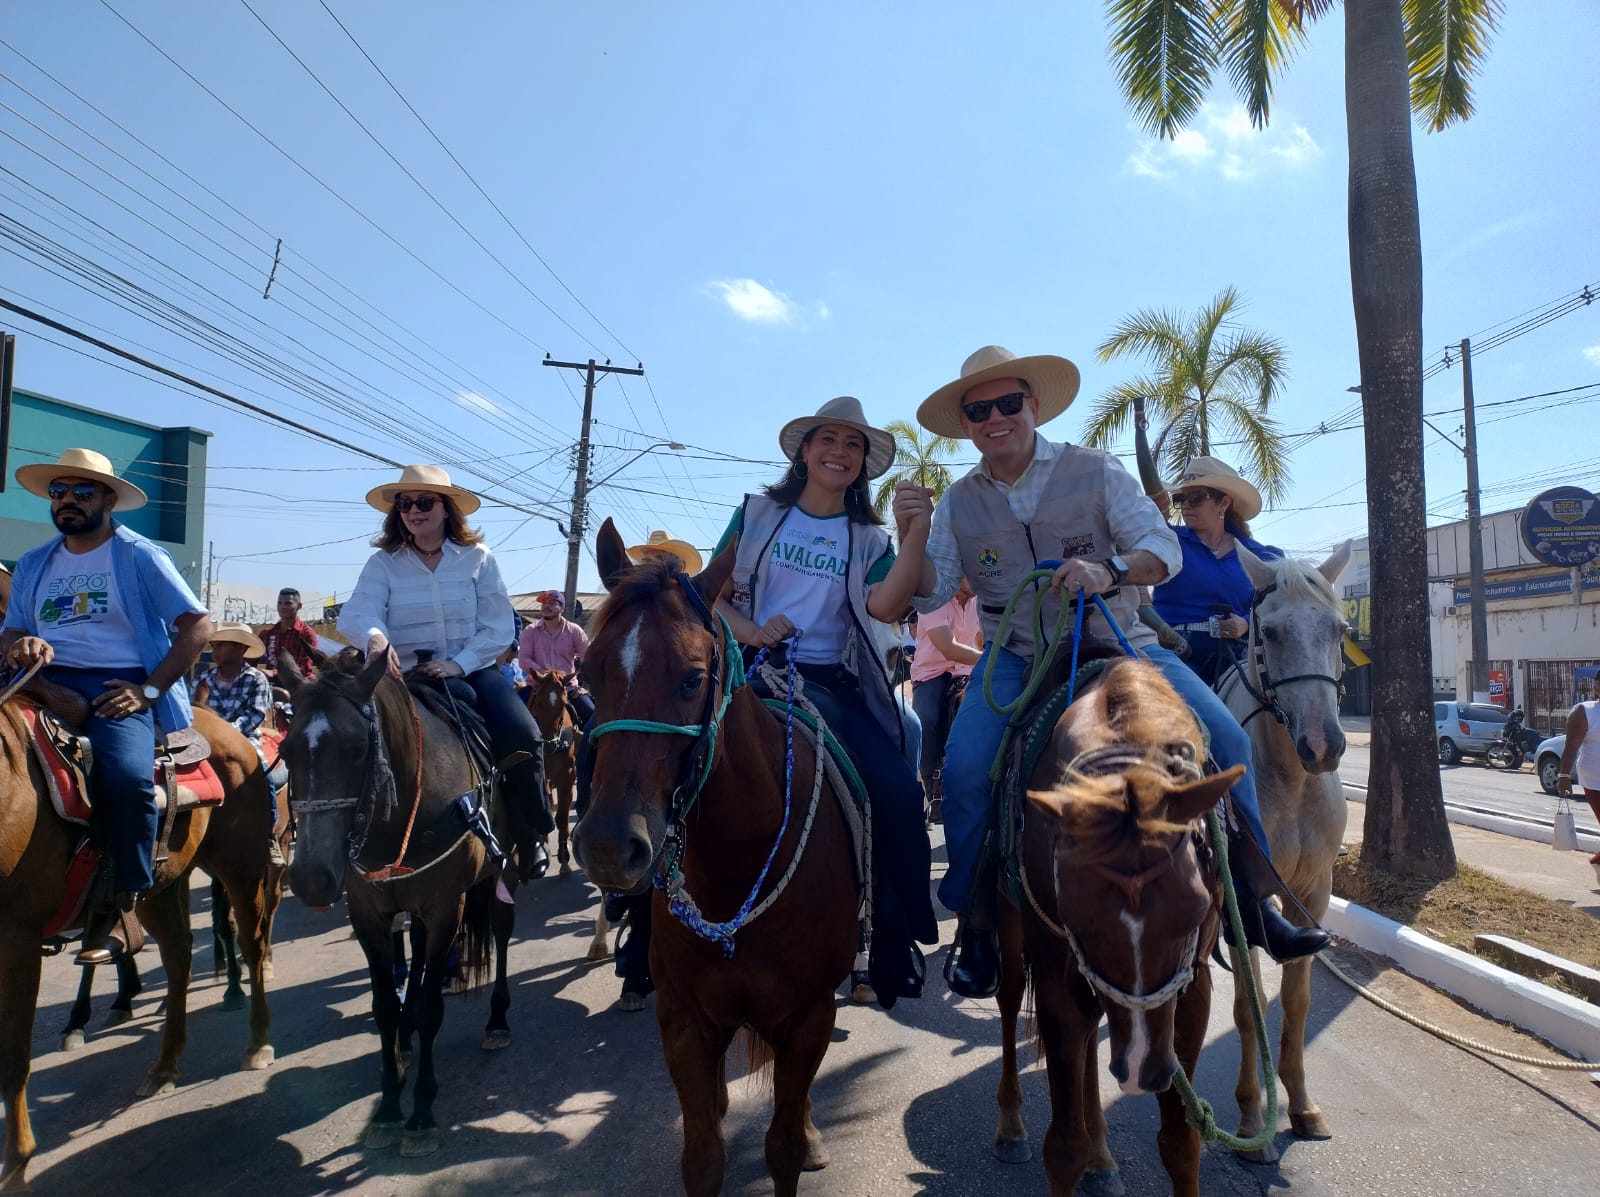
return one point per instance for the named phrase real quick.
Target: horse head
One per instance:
(1294, 655)
(655, 656)
(547, 701)
(1121, 853)
(337, 767)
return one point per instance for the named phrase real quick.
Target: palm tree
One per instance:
(1209, 376)
(920, 456)
(1400, 57)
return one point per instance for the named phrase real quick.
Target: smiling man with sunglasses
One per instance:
(97, 607)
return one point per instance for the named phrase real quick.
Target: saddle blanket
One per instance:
(197, 784)
(80, 875)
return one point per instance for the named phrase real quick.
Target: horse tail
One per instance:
(758, 1056)
(475, 968)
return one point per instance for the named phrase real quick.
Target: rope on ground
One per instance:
(1462, 1041)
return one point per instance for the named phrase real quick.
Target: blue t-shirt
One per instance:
(1207, 580)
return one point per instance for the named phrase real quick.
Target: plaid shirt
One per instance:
(297, 641)
(243, 702)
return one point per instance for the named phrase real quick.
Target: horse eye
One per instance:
(691, 683)
(1270, 632)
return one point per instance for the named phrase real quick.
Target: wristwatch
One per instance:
(151, 694)
(1118, 568)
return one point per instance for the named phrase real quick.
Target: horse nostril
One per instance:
(1158, 1076)
(1303, 748)
(1119, 1069)
(640, 853)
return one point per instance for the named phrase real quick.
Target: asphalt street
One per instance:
(581, 1103)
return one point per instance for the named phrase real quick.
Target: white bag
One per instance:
(1564, 837)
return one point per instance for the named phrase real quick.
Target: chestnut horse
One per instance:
(1122, 905)
(228, 841)
(691, 778)
(547, 703)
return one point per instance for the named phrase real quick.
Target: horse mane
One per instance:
(648, 580)
(1302, 582)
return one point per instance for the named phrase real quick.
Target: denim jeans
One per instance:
(122, 784)
(512, 729)
(911, 726)
(929, 700)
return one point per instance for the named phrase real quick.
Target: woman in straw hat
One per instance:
(664, 544)
(814, 567)
(242, 695)
(433, 595)
(1209, 601)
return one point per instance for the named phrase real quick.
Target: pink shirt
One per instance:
(538, 649)
(964, 626)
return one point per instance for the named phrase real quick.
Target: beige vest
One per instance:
(998, 550)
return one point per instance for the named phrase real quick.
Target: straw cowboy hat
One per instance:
(1053, 380)
(663, 542)
(240, 633)
(1207, 472)
(843, 410)
(80, 463)
(429, 478)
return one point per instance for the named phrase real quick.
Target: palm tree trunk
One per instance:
(1205, 428)
(1405, 828)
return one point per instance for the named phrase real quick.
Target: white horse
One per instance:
(1286, 694)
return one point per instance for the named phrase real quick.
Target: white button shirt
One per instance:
(460, 610)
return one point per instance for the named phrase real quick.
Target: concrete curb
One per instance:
(1523, 829)
(1570, 1024)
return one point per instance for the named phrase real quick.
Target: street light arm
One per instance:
(673, 445)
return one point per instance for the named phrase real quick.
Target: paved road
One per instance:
(581, 1104)
(1480, 786)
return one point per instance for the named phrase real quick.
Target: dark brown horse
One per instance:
(710, 802)
(228, 841)
(547, 703)
(1121, 909)
(380, 777)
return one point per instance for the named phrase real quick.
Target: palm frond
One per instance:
(1163, 52)
(1446, 43)
(1113, 413)
(1257, 442)
(1258, 39)
(1148, 333)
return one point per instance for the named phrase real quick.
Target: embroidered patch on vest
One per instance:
(1076, 546)
(989, 559)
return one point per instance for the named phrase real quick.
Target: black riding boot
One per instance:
(972, 968)
(1254, 882)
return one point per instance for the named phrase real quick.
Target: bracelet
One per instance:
(1563, 777)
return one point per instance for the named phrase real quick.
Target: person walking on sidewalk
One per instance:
(1581, 757)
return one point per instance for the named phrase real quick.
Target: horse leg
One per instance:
(250, 922)
(19, 999)
(422, 1135)
(1179, 1142)
(497, 1034)
(1247, 1089)
(1305, 1119)
(78, 1017)
(563, 817)
(695, 1048)
(598, 948)
(417, 932)
(1101, 1178)
(166, 916)
(793, 1141)
(378, 945)
(1068, 1029)
(223, 957)
(129, 986)
(1010, 1136)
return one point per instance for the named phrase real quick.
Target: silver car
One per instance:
(1466, 729)
(1547, 761)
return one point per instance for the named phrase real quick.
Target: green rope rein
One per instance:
(1197, 1110)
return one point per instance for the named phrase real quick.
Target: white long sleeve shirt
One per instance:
(460, 610)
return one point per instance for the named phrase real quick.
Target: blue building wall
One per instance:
(168, 464)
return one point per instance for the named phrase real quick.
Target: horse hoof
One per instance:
(71, 1041)
(597, 951)
(1310, 1125)
(1013, 1151)
(380, 1136)
(255, 1061)
(816, 1155)
(493, 1041)
(566, 869)
(1261, 1155)
(631, 1003)
(116, 1017)
(863, 994)
(1102, 1182)
(158, 1085)
(420, 1142)
(234, 999)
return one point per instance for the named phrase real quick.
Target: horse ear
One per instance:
(1257, 570)
(372, 673)
(610, 554)
(710, 581)
(289, 674)
(1336, 562)
(1186, 803)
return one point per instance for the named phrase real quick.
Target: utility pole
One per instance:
(580, 488)
(1480, 616)
(211, 564)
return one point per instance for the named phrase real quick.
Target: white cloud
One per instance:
(1592, 355)
(476, 402)
(1223, 140)
(750, 300)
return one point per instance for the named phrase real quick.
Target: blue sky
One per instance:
(768, 207)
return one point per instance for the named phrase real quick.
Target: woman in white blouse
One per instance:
(433, 593)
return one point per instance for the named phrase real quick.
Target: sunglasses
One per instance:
(81, 491)
(423, 503)
(1009, 405)
(1194, 498)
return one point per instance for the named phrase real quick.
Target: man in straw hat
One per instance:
(1031, 500)
(242, 694)
(96, 606)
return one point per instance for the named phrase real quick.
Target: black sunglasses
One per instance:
(82, 491)
(423, 503)
(1009, 405)
(1193, 498)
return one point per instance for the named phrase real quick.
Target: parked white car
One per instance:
(1547, 761)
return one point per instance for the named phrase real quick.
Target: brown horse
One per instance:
(710, 803)
(547, 703)
(228, 841)
(1121, 907)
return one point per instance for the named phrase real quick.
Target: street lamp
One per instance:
(580, 503)
(673, 445)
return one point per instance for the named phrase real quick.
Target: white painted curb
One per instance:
(1569, 1023)
(1522, 829)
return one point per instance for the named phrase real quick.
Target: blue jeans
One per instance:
(911, 725)
(122, 784)
(512, 729)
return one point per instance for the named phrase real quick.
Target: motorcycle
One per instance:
(1515, 745)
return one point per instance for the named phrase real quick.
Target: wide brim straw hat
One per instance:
(1053, 381)
(430, 478)
(240, 633)
(1208, 473)
(843, 410)
(80, 463)
(665, 542)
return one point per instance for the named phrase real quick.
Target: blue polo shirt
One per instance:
(1207, 579)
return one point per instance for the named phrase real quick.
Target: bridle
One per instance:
(1179, 761)
(1266, 697)
(377, 784)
